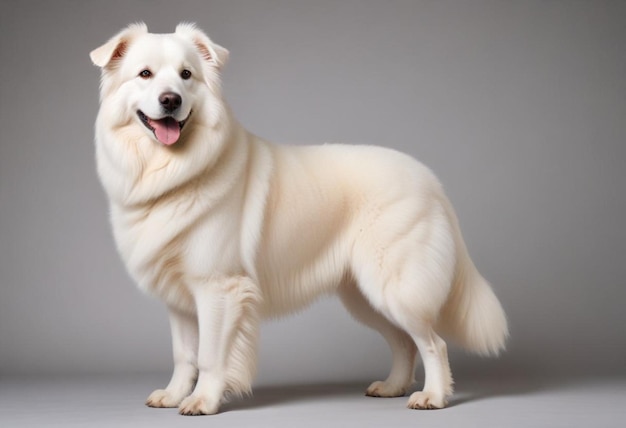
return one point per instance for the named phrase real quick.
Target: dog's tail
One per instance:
(472, 315)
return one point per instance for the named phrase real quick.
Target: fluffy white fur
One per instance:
(227, 229)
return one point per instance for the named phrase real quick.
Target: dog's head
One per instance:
(162, 118)
(160, 81)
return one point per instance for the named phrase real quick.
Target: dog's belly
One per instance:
(286, 290)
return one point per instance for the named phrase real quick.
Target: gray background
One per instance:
(519, 107)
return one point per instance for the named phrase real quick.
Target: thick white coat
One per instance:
(226, 228)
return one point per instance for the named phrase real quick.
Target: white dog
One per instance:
(227, 228)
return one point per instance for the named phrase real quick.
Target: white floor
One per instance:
(118, 402)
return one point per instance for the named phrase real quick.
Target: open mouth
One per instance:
(166, 130)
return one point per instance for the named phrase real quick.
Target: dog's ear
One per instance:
(115, 48)
(209, 50)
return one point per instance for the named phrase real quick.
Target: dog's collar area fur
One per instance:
(167, 122)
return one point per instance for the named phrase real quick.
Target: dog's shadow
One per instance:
(493, 388)
(267, 396)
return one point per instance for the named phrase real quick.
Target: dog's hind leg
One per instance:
(185, 349)
(406, 308)
(407, 275)
(438, 377)
(402, 346)
(414, 303)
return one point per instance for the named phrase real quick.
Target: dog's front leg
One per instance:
(185, 349)
(228, 325)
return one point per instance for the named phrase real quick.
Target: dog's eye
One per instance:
(185, 74)
(145, 74)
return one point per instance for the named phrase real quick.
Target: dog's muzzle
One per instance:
(167, 129)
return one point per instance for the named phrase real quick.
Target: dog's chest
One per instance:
(168, 249)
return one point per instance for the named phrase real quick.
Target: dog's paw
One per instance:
(195, 405)
(425, 401)
(385, 389)
(163, 398)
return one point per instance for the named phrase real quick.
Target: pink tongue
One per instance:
(166, 130)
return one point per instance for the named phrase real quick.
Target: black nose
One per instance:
(170, 101)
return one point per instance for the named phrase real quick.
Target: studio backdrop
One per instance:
(518, 107)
